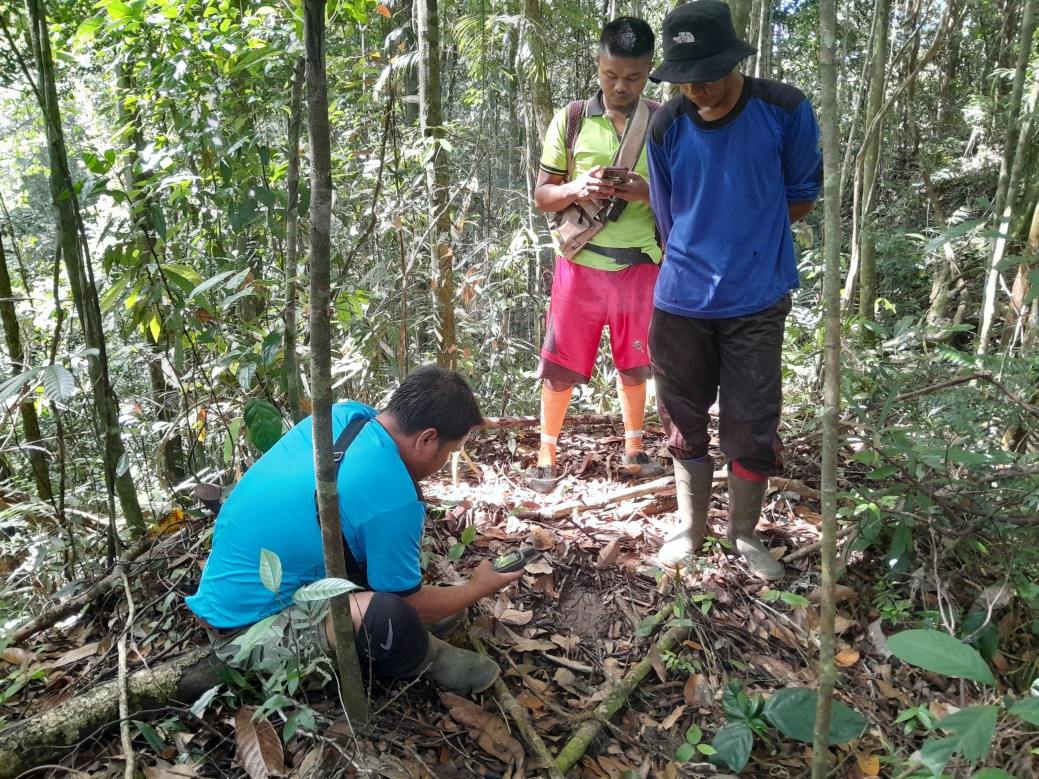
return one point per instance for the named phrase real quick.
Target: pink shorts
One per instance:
(583, 300)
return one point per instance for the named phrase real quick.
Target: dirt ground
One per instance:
(565, 636)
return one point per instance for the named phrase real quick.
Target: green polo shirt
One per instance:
(596, 144)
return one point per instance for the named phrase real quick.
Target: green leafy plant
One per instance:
(916, 717)
(968, 732)
(789, 598)
(693, 746)
(792, 712)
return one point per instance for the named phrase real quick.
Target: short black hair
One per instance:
(438, 398)
(627, 36)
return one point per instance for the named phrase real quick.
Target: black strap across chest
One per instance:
(355, 572)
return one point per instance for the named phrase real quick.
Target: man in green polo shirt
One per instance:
(610, 281)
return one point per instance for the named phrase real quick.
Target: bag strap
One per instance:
(355, 572)
(574, 117)
(634, 137)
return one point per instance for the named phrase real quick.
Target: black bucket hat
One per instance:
(700, 44)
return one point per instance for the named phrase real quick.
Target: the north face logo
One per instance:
(684, 37)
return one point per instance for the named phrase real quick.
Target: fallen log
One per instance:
(49, 736)
(102, 587)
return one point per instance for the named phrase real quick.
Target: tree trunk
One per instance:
(71, 237)
(431, 117)
(293, 379)
(537, 74)
(350, 682)
(830, 131)
(33, 445)
(1009, 177)
(52, 734)
(871, 169)
(741, 13)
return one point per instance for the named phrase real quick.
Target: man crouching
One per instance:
(382, 513)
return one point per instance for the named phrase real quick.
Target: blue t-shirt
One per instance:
(273, 508)
(720, 191)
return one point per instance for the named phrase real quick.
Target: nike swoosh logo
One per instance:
(389, 636)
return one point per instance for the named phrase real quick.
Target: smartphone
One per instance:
(513, 561)
(616, 175)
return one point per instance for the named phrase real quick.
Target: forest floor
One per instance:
(564, 638)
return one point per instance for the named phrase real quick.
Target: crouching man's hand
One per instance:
(489, 581)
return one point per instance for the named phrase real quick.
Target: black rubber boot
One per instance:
(693, 481)
(745, 501)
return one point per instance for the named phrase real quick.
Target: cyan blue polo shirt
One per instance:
(273, 508)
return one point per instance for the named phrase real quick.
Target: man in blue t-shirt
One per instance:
(382, 513)
(733, 162)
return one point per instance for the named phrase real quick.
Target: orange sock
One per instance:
(633, 412)
(553, 412)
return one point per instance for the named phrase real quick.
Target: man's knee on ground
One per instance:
(392, 641)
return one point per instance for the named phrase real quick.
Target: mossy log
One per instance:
(49, 736)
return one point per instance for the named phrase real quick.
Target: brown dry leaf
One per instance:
(530, 701)
(869, 765)
(1000, 662)
(843, 624)
(841, 594)
(657, 662)
(613, 669)
(692, 693)
(806, 514)
(514, 617)
(890, 692)
(18, 656)
(542, 539)
(608, 555)
(164, 770)
(259, 747)
(539, 567)
(847, 657)
(774, 666)
(941, 710)
(672, 718)
(613, 766)
(490, 732)
(533, 645)
(566, 642)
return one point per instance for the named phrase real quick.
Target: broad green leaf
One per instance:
(111, 296)
(159, 220)
(992, 773)
(939, 652)
(204, 700)
(263, 423)
(456, 551)
(123, 465)
(151, 735)
(792, 710)
(735, 702)
(936, 752)
(12, 387)
(732, 745)
(1027, 709)
(954, 232)
(693, 734)
(685, 753)
(469, 534)
(323, 589)
(209, 283)
(58, 383)
(270, 570)
(970, 733)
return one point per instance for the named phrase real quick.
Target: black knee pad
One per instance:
(392, 642)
